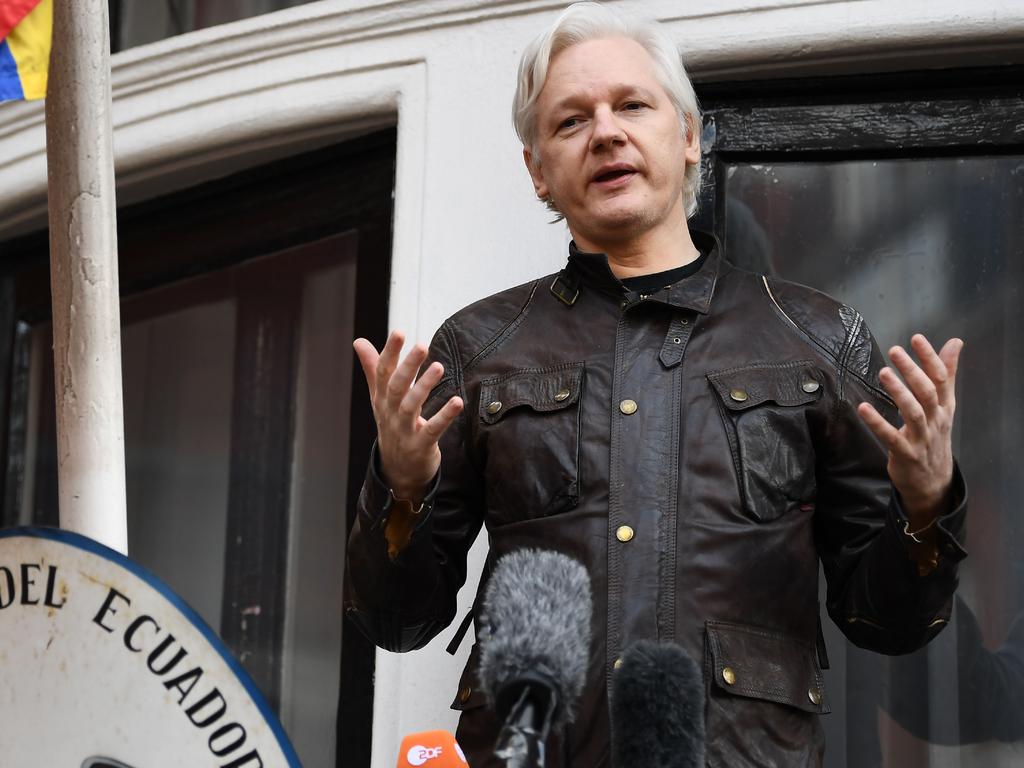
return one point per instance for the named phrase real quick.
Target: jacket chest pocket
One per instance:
(530, 422)
(764, 410)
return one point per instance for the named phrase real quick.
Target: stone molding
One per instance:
(170, 96)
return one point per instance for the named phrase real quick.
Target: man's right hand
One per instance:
(408, 443)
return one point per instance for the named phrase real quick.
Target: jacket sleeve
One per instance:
(887, 591)
(401, 604)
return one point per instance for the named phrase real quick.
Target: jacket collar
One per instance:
(591, 270)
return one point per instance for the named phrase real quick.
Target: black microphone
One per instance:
(657, 708)
(534, 646)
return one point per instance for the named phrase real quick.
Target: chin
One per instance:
(623, 220)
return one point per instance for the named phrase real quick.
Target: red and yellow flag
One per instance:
(26, 27)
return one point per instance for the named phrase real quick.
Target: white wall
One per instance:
(466, 222)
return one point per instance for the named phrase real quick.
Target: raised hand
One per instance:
(408, 443)
(921, 451)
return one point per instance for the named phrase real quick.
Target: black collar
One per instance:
(591, 270)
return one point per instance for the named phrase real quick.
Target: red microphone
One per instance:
(431, 749)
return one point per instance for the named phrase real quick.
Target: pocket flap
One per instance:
(764, 664)
(794, 383)
(542, 389)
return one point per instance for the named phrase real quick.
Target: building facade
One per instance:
(294, 178)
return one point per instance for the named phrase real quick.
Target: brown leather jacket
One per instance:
(698, 450)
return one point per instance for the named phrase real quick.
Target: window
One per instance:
(902, 197)
(245, 438)
(137, 22)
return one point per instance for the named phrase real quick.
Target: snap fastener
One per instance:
(677, 340)
(562, 395)
(618, 663)
(814, 696)
(729, 676)
(465, 693)
(628, 407)
(493, 408)
(738, 395)
(810, 386)
(624, 533)
(684, 321)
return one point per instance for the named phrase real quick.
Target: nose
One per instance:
(607, 130)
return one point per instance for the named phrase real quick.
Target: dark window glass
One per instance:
(932, 245)
(137, 22)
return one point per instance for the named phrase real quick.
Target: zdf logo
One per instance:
(418, 755)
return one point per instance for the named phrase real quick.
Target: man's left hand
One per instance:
(921, 451)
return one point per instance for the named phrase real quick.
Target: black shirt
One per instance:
(658, 280)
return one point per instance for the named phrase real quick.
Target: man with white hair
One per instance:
(697, 436)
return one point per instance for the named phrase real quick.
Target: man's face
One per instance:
(610, 150)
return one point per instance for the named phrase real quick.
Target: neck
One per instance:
(656, 250)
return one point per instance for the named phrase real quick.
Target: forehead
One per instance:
(598, 68)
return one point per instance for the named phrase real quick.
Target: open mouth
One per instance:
(614, 175)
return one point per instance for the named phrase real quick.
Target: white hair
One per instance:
(585, 21)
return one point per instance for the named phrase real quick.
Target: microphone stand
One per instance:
(525, 732)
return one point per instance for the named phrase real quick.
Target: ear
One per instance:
(536, 174)
(692, 150)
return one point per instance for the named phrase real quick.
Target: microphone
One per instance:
(657, 708)
(534, 647)
(433, 749)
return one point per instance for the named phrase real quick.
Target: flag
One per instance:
(26, 27)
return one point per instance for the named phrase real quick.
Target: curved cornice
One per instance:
(323, 70)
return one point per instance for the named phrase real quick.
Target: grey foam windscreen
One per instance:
(536, 620)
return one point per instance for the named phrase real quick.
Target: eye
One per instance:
(569, 122)
(633, 105)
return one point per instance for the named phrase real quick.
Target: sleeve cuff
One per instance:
(941, 543)
(377, 499)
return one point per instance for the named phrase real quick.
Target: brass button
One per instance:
(618, 663)
(738, 395)
(493, 408)
(814, 696)
(810, 386)
(563, 394)
(465, 693)
(624, 533)
(729, 676)
(628, 407)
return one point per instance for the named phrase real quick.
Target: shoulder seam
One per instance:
(840, 362)
(799, 328)
(496, 340)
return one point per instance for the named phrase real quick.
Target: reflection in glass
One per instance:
(137, 22)
(178, 378)
(311, 660)
(935, 246)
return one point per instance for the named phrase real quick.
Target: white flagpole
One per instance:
(83, 274)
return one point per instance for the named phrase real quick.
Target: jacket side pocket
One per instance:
(764, 690)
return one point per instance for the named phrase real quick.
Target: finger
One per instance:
(919, 383)
(933, 367)
(889, 436)
(443, 419)
(368, 357)
(404, 375)
(950, 357)
(388, 362)
(412, 403)
(910, 409)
